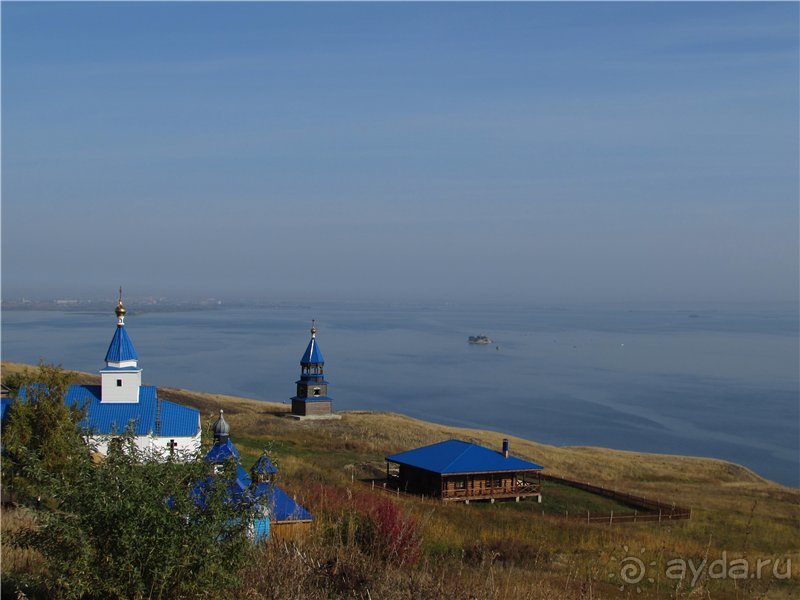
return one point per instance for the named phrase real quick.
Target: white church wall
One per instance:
(181, 447)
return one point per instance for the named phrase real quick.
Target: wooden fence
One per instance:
(645, 509)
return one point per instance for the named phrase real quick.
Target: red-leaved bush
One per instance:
(377, 525)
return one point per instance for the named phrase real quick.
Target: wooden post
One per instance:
(587, 516)
(659, 515)
(611, 518)
(634, 515)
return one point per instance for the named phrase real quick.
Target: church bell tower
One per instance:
(312, 398)
(121, 379)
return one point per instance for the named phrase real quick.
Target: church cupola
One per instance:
(263, 471)
(312, 361)
(312, 389)
(120, 310)
(121, 379)
(221, 429)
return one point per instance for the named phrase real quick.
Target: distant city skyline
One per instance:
(534, 152)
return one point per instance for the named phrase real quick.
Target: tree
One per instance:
(129, 526)
(41, 436)
(132, 527)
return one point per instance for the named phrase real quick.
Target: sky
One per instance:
(532, 152)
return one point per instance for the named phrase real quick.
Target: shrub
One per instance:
(374, 524)
(127, 527)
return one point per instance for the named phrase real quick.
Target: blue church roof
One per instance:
(174, 420)
(456, 456)
(121, 347)
(264, 466)
(282, 507)
(222, 451)
(313, 355)
(238, 493)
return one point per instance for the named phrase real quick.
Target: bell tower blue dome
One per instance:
(312, 360)
(121, 379)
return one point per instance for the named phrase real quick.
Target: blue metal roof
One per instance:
(121, 347)
(264, 466)
(282, 507)
(456, 456)
(220, 452)
(242, 475)
(238, 493)
(175, 420)
(313, 355)
(6, 404)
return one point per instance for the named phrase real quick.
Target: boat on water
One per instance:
(479, 339)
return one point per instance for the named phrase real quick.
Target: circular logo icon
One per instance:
(632, 570)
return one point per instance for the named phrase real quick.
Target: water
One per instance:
(719, 382)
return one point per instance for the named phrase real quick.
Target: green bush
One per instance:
(130, 526)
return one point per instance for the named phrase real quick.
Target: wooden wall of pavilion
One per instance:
(468, 485)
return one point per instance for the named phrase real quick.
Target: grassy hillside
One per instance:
(507, 550)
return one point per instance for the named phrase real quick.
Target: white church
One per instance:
(121, 401)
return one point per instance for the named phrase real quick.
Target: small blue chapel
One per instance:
(278, 513)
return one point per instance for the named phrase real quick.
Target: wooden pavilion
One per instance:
(459, 471)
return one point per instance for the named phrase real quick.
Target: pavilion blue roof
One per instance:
(456, 456)
(313, 355)
(121, 347)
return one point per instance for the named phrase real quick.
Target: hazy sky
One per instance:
(525, 151)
